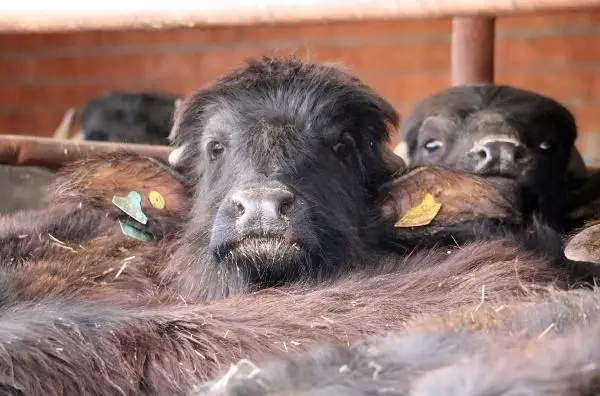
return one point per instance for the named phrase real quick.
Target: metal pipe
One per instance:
(472, 50)
(62, 15)
(54, 153)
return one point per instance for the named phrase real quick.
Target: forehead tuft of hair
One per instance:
(323, 89)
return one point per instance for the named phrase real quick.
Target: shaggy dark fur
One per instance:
(499, 131)
(472, 208)
(129, 117)
(583, 201)
(79, 208)
(123, 346)
(287, 160)
(22, 187)
(537, 345)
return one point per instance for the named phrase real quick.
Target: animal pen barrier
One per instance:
(472, 48)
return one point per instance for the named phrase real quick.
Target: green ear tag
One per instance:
(133, 232)
(132, 205)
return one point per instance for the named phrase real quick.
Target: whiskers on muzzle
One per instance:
(267, 256)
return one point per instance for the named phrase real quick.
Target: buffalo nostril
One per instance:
(261, 205)
(240, 204)
(480, 155)
(521, 154)
(285, 206)
(238, 209)
(277, 203)
(518, 155)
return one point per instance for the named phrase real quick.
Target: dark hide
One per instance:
(539, 345)
(78, 208)
(123, 346)
(473, 208)
(288, 162)
(276, 137)
(311, 132)
(501, 131)
(314, 246)
(583, 201)
(584, 246)
(129, 117)
(23, 187)
(463, 197)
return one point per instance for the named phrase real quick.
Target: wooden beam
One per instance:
(472, 50)
(62, 15)
(54, 153)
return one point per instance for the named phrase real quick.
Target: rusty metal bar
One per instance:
(472, 50)
(62, 15)
(54, 153)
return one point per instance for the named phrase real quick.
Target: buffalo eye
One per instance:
(343, 149)
(545, 146)
(432, 145)
(215, 150)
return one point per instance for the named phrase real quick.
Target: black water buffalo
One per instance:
(502, 132)
(129, 117)
(118, 116)
(535, 345)
(278, 238)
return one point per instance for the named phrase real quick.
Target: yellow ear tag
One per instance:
(422, 214)
(156, 199)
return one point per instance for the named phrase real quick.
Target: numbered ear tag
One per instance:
(132, 232)
(422, 214)
(132, 205)
(156, 199)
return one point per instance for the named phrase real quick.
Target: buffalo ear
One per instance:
(182, 155)
(463, 197)
(180, 107)
(585, 245)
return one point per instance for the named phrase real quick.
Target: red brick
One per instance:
(400, 57)
(404, 60)
(220, 35)
(209, 65)
(547, 50)
(587, 118)
(60, 96)
(147, 66)
(569, 85)
(367, 29)
(409, 87)
(36, 123)
(74, 40)
(71, 68)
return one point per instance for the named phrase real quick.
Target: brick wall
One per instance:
(42, 75)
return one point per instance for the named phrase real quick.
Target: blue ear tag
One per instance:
(132, 205)
(133, 232)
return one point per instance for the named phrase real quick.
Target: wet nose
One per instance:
(500, 153)
(262, 204)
